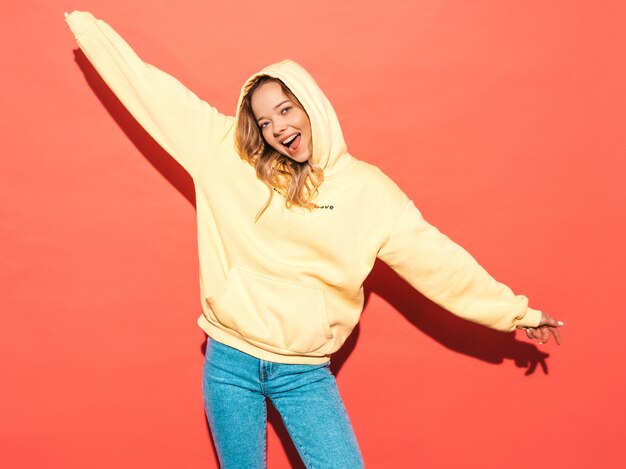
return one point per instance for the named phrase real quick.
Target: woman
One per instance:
(289, 226)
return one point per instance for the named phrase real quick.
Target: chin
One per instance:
(302, 159)
(298, 158)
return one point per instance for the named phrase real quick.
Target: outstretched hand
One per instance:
(547, 326)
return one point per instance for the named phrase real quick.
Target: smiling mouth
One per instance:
(288, 141)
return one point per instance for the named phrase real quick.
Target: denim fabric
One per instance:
(235, 387)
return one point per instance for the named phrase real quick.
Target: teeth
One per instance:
(290, 139)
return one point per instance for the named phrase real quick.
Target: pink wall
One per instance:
(503, 120)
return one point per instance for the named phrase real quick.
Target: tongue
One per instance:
(295, 145)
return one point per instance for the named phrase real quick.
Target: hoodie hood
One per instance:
(329, 147)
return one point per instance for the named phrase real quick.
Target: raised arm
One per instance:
(188, 128)
(448, 275)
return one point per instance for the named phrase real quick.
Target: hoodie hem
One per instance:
(243, 346)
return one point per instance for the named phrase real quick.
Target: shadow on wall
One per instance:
(452, 332)
(149, 148)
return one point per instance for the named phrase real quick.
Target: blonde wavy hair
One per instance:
(297, 182)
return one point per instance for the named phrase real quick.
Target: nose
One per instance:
(279, 127)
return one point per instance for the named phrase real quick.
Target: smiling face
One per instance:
(283, 123)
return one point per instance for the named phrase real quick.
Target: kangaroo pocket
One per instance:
(282, 316)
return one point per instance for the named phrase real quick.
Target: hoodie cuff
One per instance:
(79, 22)
(530, 319)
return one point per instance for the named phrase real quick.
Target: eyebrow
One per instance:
(275, 107)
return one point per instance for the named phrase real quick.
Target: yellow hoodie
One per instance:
(289, 287)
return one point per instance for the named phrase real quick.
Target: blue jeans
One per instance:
(235, 386)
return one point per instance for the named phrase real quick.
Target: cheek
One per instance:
(268, 138)
(306, 124)
(265, 134)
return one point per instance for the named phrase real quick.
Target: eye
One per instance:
(286, 109)
(262, 125)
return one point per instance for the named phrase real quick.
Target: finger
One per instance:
(547, 320)
(529, 333)
(544, 334)
(557, 335)
(553, 323)
(535, 333)
(540, 336)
